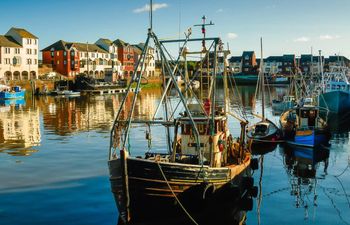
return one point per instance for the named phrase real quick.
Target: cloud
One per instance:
(219, 10)
(232, 36)
(302, 39)
(328, 37)
(146, 8)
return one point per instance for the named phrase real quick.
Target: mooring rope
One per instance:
(178, 201)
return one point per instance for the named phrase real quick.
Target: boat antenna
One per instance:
(203, 25)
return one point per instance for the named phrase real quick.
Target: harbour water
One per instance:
(53, 165)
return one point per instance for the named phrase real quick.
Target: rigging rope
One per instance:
(172, 191)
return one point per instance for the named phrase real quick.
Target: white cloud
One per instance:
(232, 36)
(302, 39)
(147, 8)
(328, 37)
(219, 10)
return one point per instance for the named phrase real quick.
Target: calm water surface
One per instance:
(53, 165)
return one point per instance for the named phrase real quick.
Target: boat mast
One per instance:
(262, 80)
(321, 69)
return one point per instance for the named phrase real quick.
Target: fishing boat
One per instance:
(334, 92)
(264, 132)
(201, 164)
(15, 92)
(302, 126)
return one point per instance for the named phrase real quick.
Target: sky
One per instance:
(286, 26)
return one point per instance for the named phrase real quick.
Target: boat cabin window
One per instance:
(308, 118)
(186, 129)
(260, 129)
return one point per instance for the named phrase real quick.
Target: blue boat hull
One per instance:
(336, 101)
(12, 95)
(313, 140)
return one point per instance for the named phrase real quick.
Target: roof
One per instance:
(24, 33)
(288, 58)
(106, 41)
(307, 58)
(120, 43)
(248, 53)
(137, 49)
(235, 59)
(63, 45)
(7, 41)
(273, 59)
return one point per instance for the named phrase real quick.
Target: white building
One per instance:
(18, 55)
(149, 65)
(112, 49)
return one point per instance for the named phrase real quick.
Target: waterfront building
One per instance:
(235, 64)
(273, 65)
(72, 58)
(288, 64)
(249, 64)
(116, 66)
(125, 56)
(149, 63)
(18, 55)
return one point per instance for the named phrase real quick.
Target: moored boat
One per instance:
(334, 92)
(201, 165)
(264, 133)
(302, 126)
(15, 92)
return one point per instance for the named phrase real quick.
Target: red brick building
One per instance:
(72, 58)
(125, 56)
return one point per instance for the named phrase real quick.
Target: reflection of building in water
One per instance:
(146, 105)
(19, 128)
(64, 115)
(301, 165)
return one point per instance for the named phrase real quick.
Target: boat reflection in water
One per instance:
(301, 165)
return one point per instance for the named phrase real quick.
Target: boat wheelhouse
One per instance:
(302, 126)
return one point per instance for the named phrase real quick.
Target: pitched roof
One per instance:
(7, 41)
(249, 53)
(137, 49)
(273, 59)
(120, 43)
(106, 41)
(84, 47)
(63, 45)
(24, 33)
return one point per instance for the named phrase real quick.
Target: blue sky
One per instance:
(286, 26)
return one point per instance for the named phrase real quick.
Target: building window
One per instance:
(86, 55)
(72, 53)
(58, 53)
(64, 62)
(72, 62)
(35, 61)
(7, 50)
(35, 52)
(7, 61)
(64, 53)
(35, 41)
(29, 61)
(58, 62)
(17, 51)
